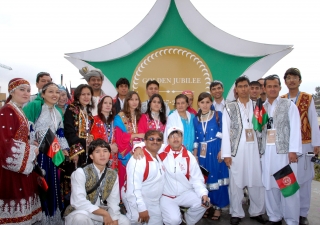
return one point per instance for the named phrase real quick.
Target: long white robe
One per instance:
(245, 168)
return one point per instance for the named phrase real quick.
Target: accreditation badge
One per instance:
(271, 136)
(249, 135)
(203, 149)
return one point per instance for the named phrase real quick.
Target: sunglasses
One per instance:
(155, 139)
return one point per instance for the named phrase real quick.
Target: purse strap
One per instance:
(98, 183)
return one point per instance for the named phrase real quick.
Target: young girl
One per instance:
(126, 131)
(44, 113)
(103, 127)
(155, 116)
(207, 144)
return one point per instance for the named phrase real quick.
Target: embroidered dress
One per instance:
(146, 123)
(19, 199)
(123, 130)
(105, 132)
(218, 179)
(51, 201)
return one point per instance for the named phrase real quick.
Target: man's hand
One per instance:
(107, 219)
(205, 200)
(293, 157)
(228, 161)
(219, 157)
(316, 150)
(143, 217)
(138, 153)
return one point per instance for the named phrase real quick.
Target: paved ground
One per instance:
(314, 214)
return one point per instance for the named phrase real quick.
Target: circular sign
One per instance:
(286, 181)
(176, 69)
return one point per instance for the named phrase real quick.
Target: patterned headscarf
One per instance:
(15, 83)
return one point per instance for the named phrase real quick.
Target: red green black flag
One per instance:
(260, 116)
(51, 147)
(286, 181)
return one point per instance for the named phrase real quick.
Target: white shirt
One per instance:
(95, 104)
(273, 162)
(78, 198)
(219, 106)
(151, 188)
(245, 167)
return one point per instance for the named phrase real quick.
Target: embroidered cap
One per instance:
(187, 92)
(87, 74)
(16, 82)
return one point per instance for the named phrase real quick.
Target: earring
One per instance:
(161, 110)
(111, 113)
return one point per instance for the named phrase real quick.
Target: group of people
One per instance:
(165, 167)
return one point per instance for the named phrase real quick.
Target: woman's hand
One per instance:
(114, 148)
(65, 152)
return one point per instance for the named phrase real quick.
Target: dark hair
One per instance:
(181, 96)
(162, 114)
(122, 80)
(98, 143)
(215, 83)
(241, 79)
(202, 96)
(255, 83)
(152, 82)
(42, 74)
(44, 88)
(126, 107)
(152, 132)
(111, 114)
(292, 71)
(76, 97)
(272, 77)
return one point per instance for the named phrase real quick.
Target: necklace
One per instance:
(205, 113)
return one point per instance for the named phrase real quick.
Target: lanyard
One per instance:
(246, 112)
(134, 124)
(204, 124)
(296, 97)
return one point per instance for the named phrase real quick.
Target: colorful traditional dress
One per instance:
(105, 132)
(146, 123)
(123, 130)
(218, 178)
(48, 117)
(19, 199)
(77, 125)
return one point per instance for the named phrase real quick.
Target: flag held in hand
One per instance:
(49, 145)
(286, 181)
(260, 116)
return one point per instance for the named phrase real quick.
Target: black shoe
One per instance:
(274, 223)
(260, 219)
(303, 220)
(235, 220)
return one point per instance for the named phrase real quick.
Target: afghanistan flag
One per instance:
(49, 145)
(260, 116)
(286, 181)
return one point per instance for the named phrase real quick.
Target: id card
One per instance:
(203, 149)
(249, 136)
(271, 136)
(219, 135)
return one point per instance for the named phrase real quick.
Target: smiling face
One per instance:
(133, 102)
(100, 156)
(292, 81)
(152, 89)
(21, 94)
(175, 140)
(95, 83)
(63, 99)
(255, 92)
(43, 80)
(155, 104)
(205, 105)
(106, 105)
(51, 95)
(217, 92)
(122, 90)
(153, 143)
(85, 96)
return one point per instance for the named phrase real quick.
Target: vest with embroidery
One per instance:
(236, 126)
(281, 123)
(91, 179)
(303, 102)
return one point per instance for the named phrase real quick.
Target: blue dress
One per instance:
(218, 179)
